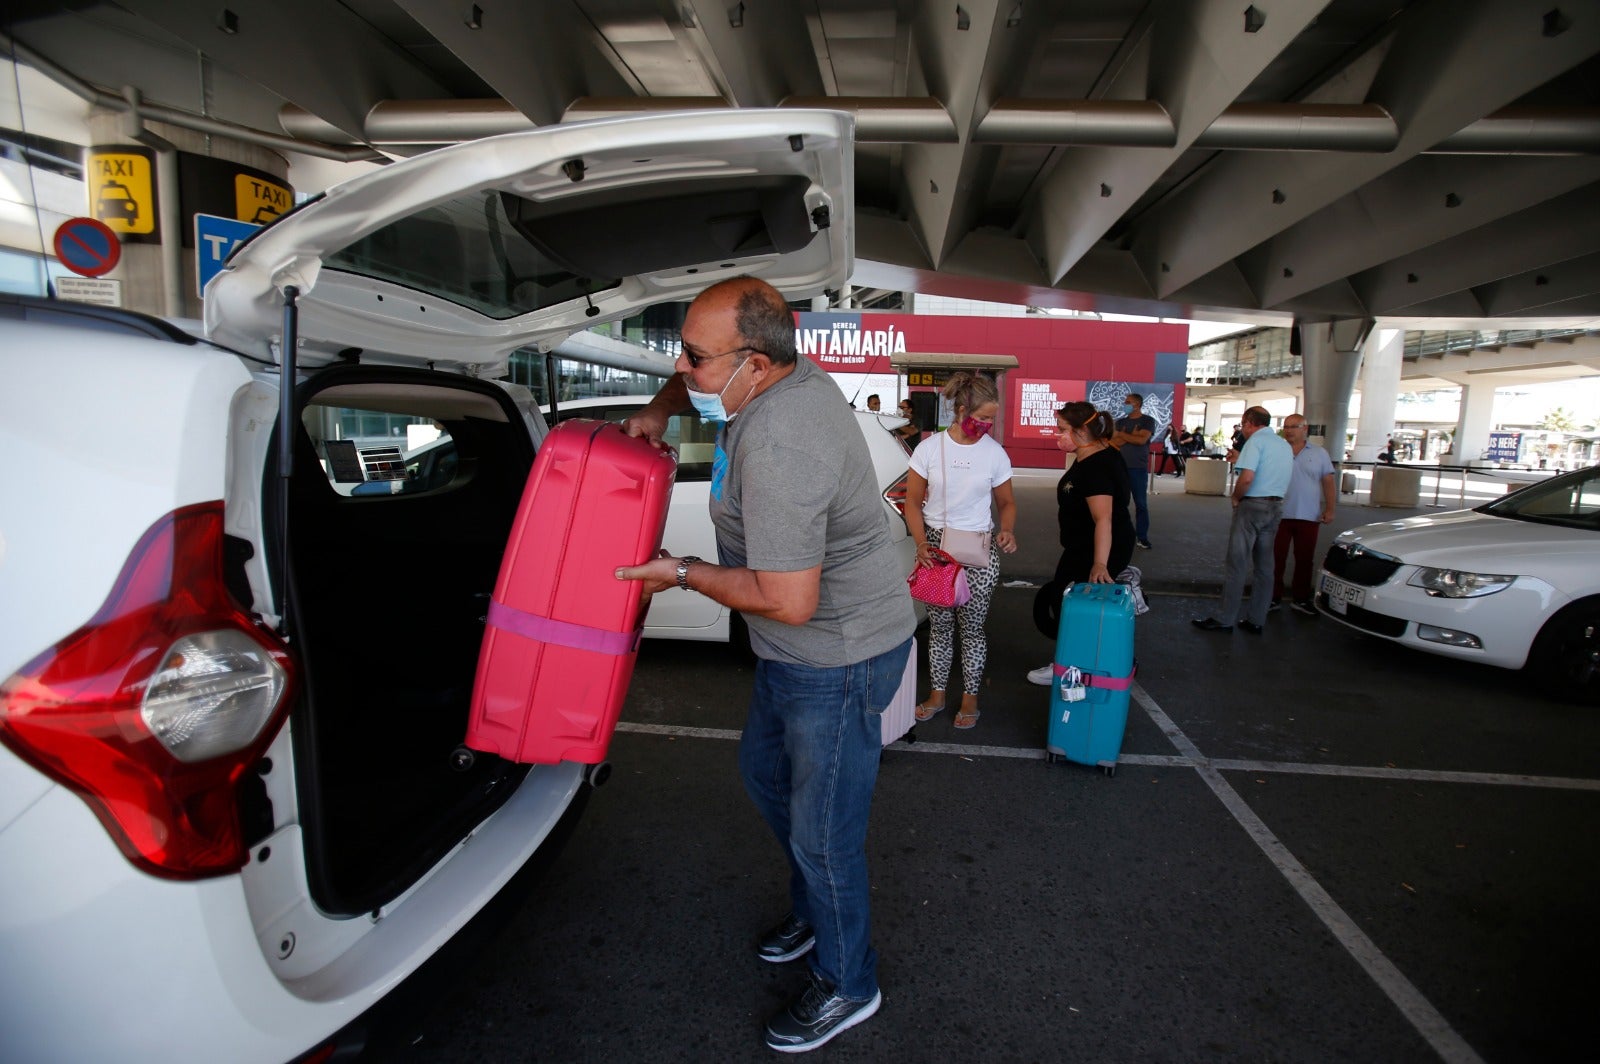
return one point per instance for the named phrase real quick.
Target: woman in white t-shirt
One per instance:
(954, 476)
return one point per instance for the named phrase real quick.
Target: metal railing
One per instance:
(1270, 356)
(1469, 485)
(1439, 344)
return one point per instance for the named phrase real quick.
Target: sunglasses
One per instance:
(696, 361)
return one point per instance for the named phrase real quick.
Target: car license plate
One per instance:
(1340, 594)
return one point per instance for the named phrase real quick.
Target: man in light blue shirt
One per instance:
(1265, 464)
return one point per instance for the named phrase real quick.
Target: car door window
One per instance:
(694, 440)
(368, 452)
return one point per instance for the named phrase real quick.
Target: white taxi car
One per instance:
(230, 821)
(1512, 583)
(676, 614)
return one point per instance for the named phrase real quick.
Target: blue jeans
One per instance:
(1138, 481)
(809, 760)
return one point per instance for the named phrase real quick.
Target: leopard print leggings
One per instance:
(942, 626)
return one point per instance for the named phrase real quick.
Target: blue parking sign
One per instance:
(214, 240)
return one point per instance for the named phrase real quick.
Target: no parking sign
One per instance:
(87, 247)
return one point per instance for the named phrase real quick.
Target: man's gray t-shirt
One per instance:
(1137, 455)
(800, 490)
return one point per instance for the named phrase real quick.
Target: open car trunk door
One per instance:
(455, 259)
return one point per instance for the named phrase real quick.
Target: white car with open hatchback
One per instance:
(230, 683)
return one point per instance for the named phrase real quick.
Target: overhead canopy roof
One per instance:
(1412, 160)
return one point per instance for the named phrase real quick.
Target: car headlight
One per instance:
(1456, 583)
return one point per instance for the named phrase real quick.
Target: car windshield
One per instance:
(1572, 500)
(466, 250)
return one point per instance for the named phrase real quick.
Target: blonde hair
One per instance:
(967, 390)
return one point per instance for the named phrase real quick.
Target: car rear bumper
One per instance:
(104, 962)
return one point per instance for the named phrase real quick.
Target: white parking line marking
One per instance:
(1418, 775)
(1303, 768)
(1427, 1020)
(1407, 998)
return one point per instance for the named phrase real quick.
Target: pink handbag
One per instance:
(944, 583)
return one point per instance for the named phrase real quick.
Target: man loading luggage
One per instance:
(805, 554)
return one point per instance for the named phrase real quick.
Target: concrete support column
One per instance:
(1472, 424)
(1331, 353)
(1213, 416)
(1380, 387)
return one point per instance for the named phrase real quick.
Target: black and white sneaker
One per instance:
(815, 1016)
(1305, 606)
(792, 938)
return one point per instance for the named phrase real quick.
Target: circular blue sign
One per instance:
(87, 247)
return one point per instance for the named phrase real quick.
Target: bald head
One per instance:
(758, 314)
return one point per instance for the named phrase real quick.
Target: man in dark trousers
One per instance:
(1308, 504)
(1132, 438)
(805, 554)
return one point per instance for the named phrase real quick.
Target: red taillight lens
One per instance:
(895, 495)
(156, 708)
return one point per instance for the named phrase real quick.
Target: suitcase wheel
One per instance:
(1051, 758)
(462, 759)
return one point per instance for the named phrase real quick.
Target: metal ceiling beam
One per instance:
(1541, 240)
(1536, 290)
(1414, 206)
(103, 97)
(1455, 62)
(945, 41)
(536, 56)
(321, 56)
(1201, 57)
(922, 120)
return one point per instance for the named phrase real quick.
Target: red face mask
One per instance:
(972, 428)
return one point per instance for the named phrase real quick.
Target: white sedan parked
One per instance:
(676, 614)
(1512, 583)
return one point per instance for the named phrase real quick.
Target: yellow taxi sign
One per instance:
(259, 201)
(122, 192)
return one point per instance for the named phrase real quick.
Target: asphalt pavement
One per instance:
(1317, 846)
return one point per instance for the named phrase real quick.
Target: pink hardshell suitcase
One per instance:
(563, 631)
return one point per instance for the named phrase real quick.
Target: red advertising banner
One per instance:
(1034, 403)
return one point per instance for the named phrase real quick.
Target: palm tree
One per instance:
(1559, 420)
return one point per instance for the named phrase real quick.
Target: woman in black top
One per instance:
(1092, 510)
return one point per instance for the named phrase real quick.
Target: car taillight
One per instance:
(895, 495)
(157, 708)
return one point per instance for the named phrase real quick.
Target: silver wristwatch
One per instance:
(683, 571)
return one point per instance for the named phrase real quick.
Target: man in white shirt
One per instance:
(1307, 506)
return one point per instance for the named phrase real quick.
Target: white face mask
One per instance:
(708, 405)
